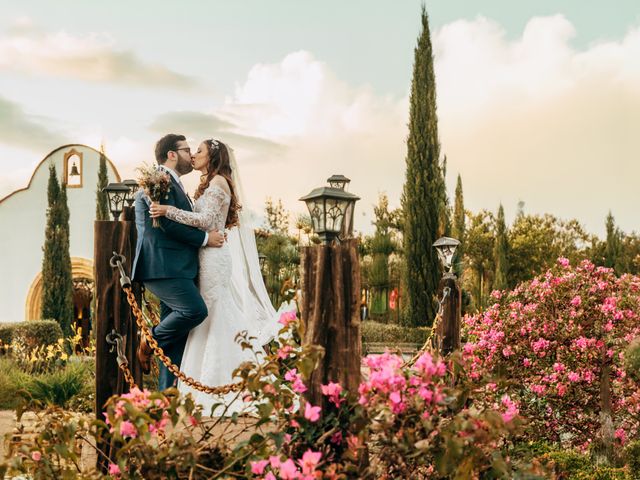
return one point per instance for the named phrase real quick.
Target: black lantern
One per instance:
(331, 210)
(132, 185)
(446, 248)
(117, 194)
(262, 258)
(74, 170)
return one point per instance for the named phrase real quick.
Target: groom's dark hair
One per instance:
(167, 144)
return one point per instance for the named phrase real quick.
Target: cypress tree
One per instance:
(500, 253)
(423, 188)
(612, 245)
(57, 283)
(102, 202)
(445, 209)
(458, 228)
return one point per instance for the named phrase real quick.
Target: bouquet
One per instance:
(155, 183)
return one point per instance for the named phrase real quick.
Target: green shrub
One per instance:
(6, 333)
(59, 387)
(599, 473)
(35, 333)
(632, 456)
(571, 465)
(375, 332)
(632, 360)
(566, 461)
(12, 380)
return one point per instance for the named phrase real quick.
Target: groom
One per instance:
(166, 261)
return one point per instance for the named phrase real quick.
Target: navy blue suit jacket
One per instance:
(170, 251)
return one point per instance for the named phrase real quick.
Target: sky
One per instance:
(538, 102)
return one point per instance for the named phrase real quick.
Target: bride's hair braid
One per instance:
(219, 164)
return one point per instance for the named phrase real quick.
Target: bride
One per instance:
(230, 280)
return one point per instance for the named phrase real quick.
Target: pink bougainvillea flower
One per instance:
(309, 461)
(284, 352)
(333, 391)
(114, 469)
(257, 468)
(128, 429)
(36, 456)
(288, 470)
(287, 317)
(311, 413)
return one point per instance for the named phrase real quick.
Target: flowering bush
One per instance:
(557, 342)
(406, 420)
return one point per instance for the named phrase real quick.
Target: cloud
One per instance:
(533, 119)
(20, 129)
(327, 127)
(26, 48)
(195, 123)
(199, 126)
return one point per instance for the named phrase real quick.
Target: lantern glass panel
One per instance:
(317, 214)
(335, 214)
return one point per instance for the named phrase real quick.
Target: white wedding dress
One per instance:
(211, 353)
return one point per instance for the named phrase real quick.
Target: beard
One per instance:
(183, 167)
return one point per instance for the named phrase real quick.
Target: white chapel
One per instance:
(23, 221)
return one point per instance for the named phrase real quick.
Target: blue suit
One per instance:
(166, 262)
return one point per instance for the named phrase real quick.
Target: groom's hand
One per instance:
(216, 239)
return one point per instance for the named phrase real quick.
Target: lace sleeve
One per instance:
(208, 214)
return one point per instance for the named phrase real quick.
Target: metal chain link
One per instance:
(115, 340)
(428, 344)
(146, 331)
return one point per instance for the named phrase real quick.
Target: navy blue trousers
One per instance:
(181, 309)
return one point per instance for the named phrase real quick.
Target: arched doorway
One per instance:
(83, 288)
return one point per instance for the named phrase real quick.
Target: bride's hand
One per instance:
(157, 210)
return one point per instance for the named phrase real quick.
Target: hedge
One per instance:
(37, 332)
(375, 332)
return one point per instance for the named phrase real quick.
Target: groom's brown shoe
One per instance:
(144, 354)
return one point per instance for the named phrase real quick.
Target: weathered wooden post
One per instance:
(448, 330)
(331, 314)
(330, 284)
(112, 310)
(449, 293)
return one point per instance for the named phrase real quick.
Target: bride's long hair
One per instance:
(219, 164)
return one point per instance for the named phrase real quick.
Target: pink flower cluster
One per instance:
(397, 388)
(295, 378)
(287, 318)
(141, 400)
(550, 337)
(305, 468)
(333, 391)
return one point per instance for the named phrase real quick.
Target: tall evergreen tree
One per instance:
(445, 208)
(458, 228)
(423, 188)
(57, 283)
(613, 245)
(500, 253)
(102, 202)
(382, 246)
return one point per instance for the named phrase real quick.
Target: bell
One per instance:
(74, 171)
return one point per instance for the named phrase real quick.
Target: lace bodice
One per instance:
(210, 210)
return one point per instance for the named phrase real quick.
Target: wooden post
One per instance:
(113, 312)
(331, 314)
(448, 330)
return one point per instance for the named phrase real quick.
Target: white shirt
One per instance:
(176, 177)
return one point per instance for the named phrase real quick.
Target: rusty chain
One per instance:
(115, 339)
(429, 343)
